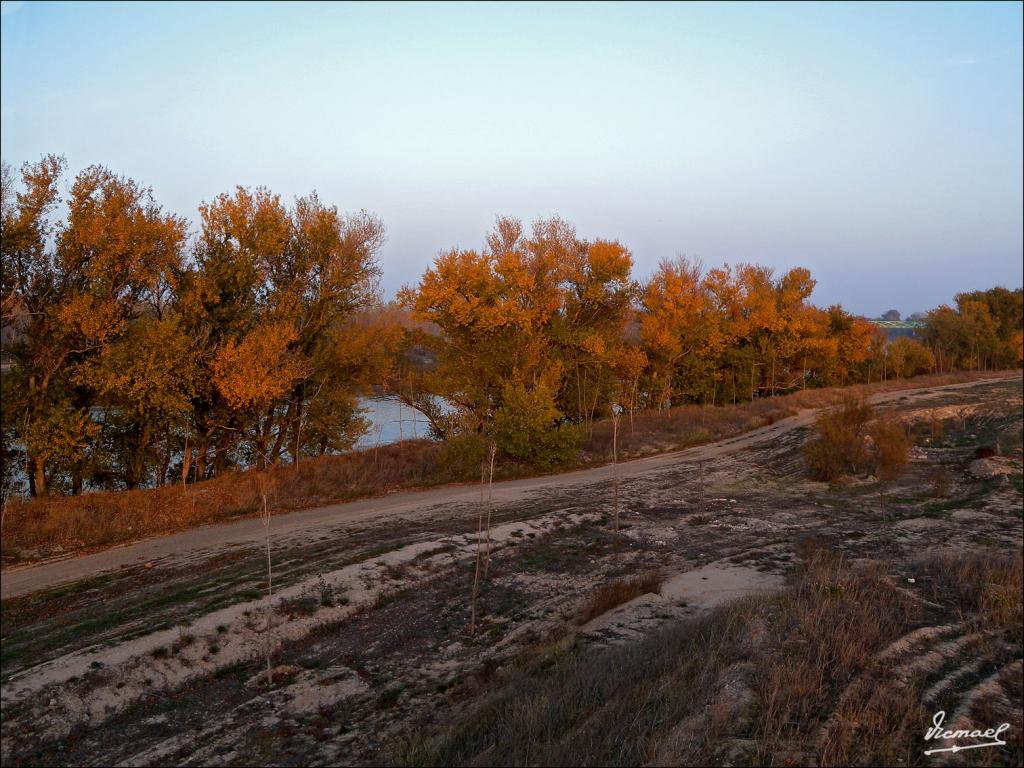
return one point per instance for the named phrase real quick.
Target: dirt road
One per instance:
(26, 579)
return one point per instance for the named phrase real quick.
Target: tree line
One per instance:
(139, 353)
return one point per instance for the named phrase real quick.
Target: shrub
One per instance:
(326, 591)
(941, 482)
(849, 441)
(839, 447)
(526, 427)
(891, 447)
(461, 455)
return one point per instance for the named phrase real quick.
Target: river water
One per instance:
(390, 421)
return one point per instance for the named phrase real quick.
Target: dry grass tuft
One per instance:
(987, 588)
(615, 593)
(878, 719)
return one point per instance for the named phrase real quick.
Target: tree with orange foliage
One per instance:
(908, 357)
(123, 357)
(983, 331)
(681, 332)
(502, 324)
(272, 290)
(590, 330)
(145, 380)
(853, 338)
(107, 262)
(495, 309)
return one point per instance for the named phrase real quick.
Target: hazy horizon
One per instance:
(879, 146)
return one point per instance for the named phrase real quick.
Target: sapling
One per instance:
(186, 461)
(700, 487)
(490, 505)
(616, 413)
(479, 552)
(265, 519)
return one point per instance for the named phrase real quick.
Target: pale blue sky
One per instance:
(879, 145)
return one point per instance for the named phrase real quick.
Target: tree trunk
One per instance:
(186, 463)
(41, 488)
(36, 477)
(220, 456)
(579, 392)
(632, 404)
(275, 451)
(298, 432)
(76, 479)
(137, 463)
(201, 462)
(165, 463)
(490, 505)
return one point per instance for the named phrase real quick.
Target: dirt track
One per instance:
(296, 526)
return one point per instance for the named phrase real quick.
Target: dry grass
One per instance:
(564, 706)
(985, 588)
(96, 520)
(827, 630)
(797, 678)
(615, 593)
(878, 718)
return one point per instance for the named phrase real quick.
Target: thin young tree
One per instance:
(616, 413)
(265, 519)
(263, 489)
(490, 505)
(700, 487)
(479, 552)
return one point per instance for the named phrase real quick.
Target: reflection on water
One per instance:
(390, 421)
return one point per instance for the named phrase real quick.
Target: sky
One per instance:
(879, 145)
